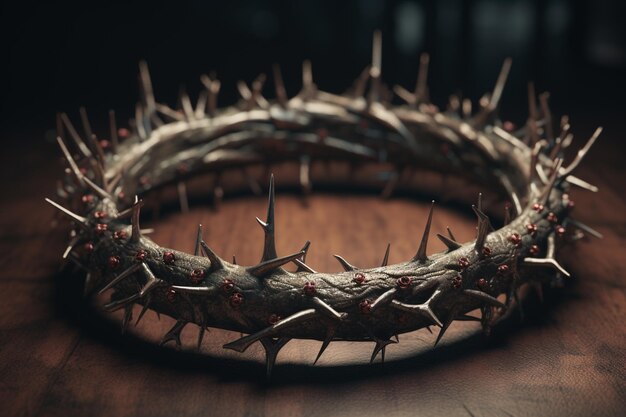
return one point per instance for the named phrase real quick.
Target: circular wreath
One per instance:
(265, 301)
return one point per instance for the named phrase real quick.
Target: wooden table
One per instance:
(59, 357)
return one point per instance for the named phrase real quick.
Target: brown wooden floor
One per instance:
(59, 358)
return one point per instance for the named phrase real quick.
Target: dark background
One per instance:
(58, 57)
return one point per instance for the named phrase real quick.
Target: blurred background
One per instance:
(58, 57)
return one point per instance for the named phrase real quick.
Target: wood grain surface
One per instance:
(60, 357)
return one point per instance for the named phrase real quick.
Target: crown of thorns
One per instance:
(265, 301)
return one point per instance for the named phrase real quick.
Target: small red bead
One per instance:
(359, 278)
(114, 261)
(228, 285)
(171, 295)
(531, 228)
(88, 247)
(464, 263)
(365, 306)
(121, 195)
(120, 234)
(274, 318)
(169, 258)
(515, 239)
(123, 133)
(507, 205)
(104, 144)
(552, 218)
(101, 228)
(236, 299)
(534, 250)
(309, 288)
(404, 282)
(560, 230)
(457, 282)
(141, 255)
(482, 283)
(87, 198)
(196, 275)
(100, 215)
(503, 269)
(486, 251)
(538, 207)
(509, 126)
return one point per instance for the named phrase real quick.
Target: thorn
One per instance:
(144, 308)
(421, 87)
(72, 163)
(240, 345)
(301, 262)
(450, 233)
(82, 147)
(128, 316)
(585, 228)
(234, 260)
(581, 153)
(146, 87)
(126, 273)
(484, 227)
(421, 252)
(383, 300)
(135, 229)
(265, 267)
(269, 247)
(151, 281)
(380, 347)
(117, 304)
(279, 85)
(194, 290)
(418, 309)
(547, 116)
(78, 219)
(216, 262)
(499, 87)
(545, 195)
(185, 102)
(483, 296)
(272, 347)
(451, 244)
(174, 334)
(98, 190)
(330, 333)
(553, 263)
(345, 264)
(327, 310)
(196, 250)
(201, 104)
(386, 257)
(139, 122)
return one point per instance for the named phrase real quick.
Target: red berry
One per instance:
(486, 252)
(359, 278)
(236, 299)
(101, 228)
(404, 282)
(482, 283)
(531, 228)
(560, 230)
(169, 258)
(123, 133)
(196, 275)
(120, 234)
(534, 250)
(365, 306)
(104, 144)
(228, 285)
(457, 282)
(309, 288)
(515, 239)
(538, 207)
(552, 218)
(88, 247)
(99, 215)
(509, 126)
(114, 261)
(274, 318)
(141, 255)
(87, 198)
(503, 269)
(464, 263)
(171, 295)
